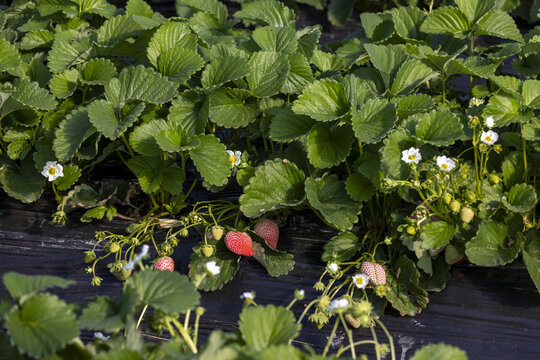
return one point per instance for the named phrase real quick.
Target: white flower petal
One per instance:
(489, 137)
(412, 155)
(490, 122)
(333, 267)
(445, 163)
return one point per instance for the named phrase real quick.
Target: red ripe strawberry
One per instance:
(239, 243)
(164, 263)
(376, 273)
(269, 231)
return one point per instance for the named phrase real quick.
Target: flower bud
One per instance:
(494, 179)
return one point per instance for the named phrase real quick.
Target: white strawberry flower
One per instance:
(338, 304)
(411, 156)
(490, 122)
(489, 137)
(360, 280)
(235, 157)
(52, 170)
(333, 267)
(445, 163)
(99, 335)
(212, 268)
(247, 296)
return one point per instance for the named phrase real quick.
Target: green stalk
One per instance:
(332, 334)
(349, 335)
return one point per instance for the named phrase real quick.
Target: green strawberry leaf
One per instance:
(339, 11)
(308, 38)
(287, 126)
(97, 72)
(179, 64)
(20, 285)
(171, 35)
(531, 131)
(404, 293)
(359, 187)
(440, 352)
(326, 61)
(224, 258)
(71, 175)
(447, 20)
(168, 291)
(224, 69)
(521, 198)
(275, 185)
(211, 159)
(414, 104)
(440, 128)
(373, 121)
(276, 262)
(139, 8)
(531, 255)
(139, 83)
(387, 59)
(391, 163)
(267, 325)
(31, 95)
(154, 173)
(116, 29)
(328, 147)
(64, 54)
(300, 74)
(71, 133)
(43, 325)
(341, 248)
(490, 246)
(174, 139)
(229, 108)
(268, 72)
(437, 234)
(267, 12)
(505, 110)
(9, 56)
(63, 84)
(143, 137)
(407, 22)
(323, 100)
(498, 23)
(110, 121)
(329, 197)
(279, 39)
(410, 76)
(531, 93)
(22, 182)
(214, 7)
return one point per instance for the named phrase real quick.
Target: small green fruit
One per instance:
(469, 196)
(114, 248)
(455, 206)
(207, 250)
(217, 232)
(466, 214)
(89, 256)
(494, 179)
(184, 232)
(447, 198)
(411, 230)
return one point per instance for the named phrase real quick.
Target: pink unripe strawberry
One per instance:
(164, 263)
(376, 273)
(239, 243)
(269, 231)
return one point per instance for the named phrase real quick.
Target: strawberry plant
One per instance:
(375, 134)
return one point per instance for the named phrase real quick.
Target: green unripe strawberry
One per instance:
(494, 179)
(447, 198)
(114, 247)
(207, 250)
(89, 256)
(184, 232)
(455, 206)
(411, 230)
(452, 255)
(121, 275)
(217, 232)
(469, 196)
(466, 214)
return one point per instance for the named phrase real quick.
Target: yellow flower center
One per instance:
(488, 138)
(444, 166)
(412, 157)
(52, 171)
(232, 159)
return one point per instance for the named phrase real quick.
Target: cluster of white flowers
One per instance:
(489, 137)
(212, 268)
(130, 265)
(412, 155)
(52, 170)
(445, 163)
(360, 280)
(235, 157)
(338, 304)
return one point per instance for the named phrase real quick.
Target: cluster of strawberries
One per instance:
(238, 242)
